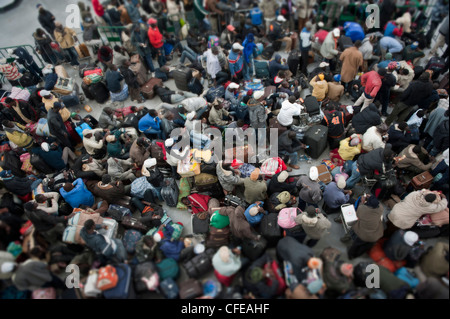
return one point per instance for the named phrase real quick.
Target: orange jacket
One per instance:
(155, 37)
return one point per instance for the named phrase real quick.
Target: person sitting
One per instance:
(196, 203)
(47, 202)
(375, 137)
(415, 159)
(334, 119)
(278, 201)
(288, 146)
(350, 147)
(148, 250)
(22, 111)
(314, 223)
(115, 147)
(20, 186)
(140, 151)
(151, 124)
(368, 117)
(275, 65)
(108, 247)
(108, 120)
(115, 84)
(310, 191)
(260, 279)
(400, 244)
(218, 116)
(368, 229)
(289, 109)
(153, 174)
(17, 134)
(94, 142)
(54, 156)
(335, 195)
(76, 194)
(335, 89)
(110, 191)
(226, 262)
(254, 213)
(398, 136)
(320, 87)
(120, 170)
(228, 177)
(278, 183)
(255, 188)
(94, 166)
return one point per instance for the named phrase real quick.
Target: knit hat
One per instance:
(392, 66)
(346, 269)
(237, 46)
(314, 263)
(388, 56)
(258, 94)
(315, 286)
(321, 77)
(44, 93)
(282, 177)
(85, 158)
(373, 202)
(323, 64)
(410, 238)
(233, 85)
(199, 248)
(169, 142)
(190, 116)
(313, 173)
(255, 174)
(224, 254)
(414, 45)
(158, 236)
(337, 77)
(111, 138)
(341, 182)
(7, 267)
(336, 32)
(284, 197)
(152, 21)
(253, 211)
(45, 147)
(355, 141)
(236, 163)
(150, 162)
(320, 24)
(254, 275)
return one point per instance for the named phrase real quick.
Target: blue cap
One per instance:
(337, 77)
(414, 45)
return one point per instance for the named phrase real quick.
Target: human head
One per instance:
(388, 56)
(337, 77)
(110, 139)
(392, 66)
(258, 95)
(158, 236)
(321, 76)
(237, 47)
(231, 28)
(45, 146)
(315, 286)
(311, 211)
(45, 94)
(414, 45)
(292, 99)
(224, 254)
(308, 25)
(382, 128)
(255, 174)
(254, 274)
(233, 86)
(292, 135)
(86, 158)
(355, 141)
(388, 153)
(341, 182)
(68, 187)
(152, 22)
(282, 177)
(382, 72)
(281, 19)
(40, 198)
(57, 106)
(430, 197)
(358, 43)
(402, 126)
(346, 269)
(215, 50)
(89, 225)
(106, 179)
(336, 32)
(141, 142)
(7, 123)
(253, 211)
(108, 110)
(372, 201)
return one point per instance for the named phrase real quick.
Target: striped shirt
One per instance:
(11, 72)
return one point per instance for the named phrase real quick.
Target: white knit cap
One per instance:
(324, 64)
(190, 116)
(147, 164)
(253, 211)
(7, 267)
(336, 32)
(237, 46)
(313, 173)
(320, 24)
(45, 93)
(258, 94)
(341, 182)
(199, 248)
(282, 177)
(169, 142)
(411, 238)
(281, 18)
(224, 254)
(45, 147)
(233, 85)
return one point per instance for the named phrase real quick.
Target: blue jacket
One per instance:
(275, 66)
(235, 62)
(171, 249)
(79, 195)
(52, 158)
(334, 197)
(249, 47)
(148, 122)
(254, 220)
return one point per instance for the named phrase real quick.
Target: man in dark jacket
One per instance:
(387, 82)
(400, 244)
(20, 186)
(26, 60)
(289, 145)
(140, 40)
(417, 93)
(440, 137)
(110, 192)
(132, 82)
(278, 183)
(56, 126)
(54, 156)
(47, 20)
(398, 137)
(113, 79)
(334, 119)
(275, 66)
(366, 118)
(22, 111)
(289, 249)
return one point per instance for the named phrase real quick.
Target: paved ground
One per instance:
(13, 24)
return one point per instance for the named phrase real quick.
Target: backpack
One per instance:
(168, 269)
(268, 53)
(169, 288)
(170, 192)
(286, 217)
(130, 239)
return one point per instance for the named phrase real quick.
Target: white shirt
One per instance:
(287, 112)
(305, 37)
(212, 63)
(372, 140)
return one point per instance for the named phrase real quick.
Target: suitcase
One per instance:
(147, 89)
(215, 92)
(348, 216)
(182, 76)
(344, 43)
(100, 92)
(190, 289)
(169, 288)
(87, 91)
(218, 237)
(270, 229)
(233, 200)
(207, 183)
(170, 192)
(82, 50)
(324, 174)
(61, 71)
(130, 239)
(261, 69)
(139, 69)
(200, 264)
(64, 86)
(195, 86)
(422, 181)
(38, 163)
(118, 212)
(293, 61)
(156, 151)
(267, 53)
(84, 67)
(199, 226)
(143, 270)
(253, 249)
(122, 289)
(168, 269)
(312, 105)
(133, 223)
(316, 138)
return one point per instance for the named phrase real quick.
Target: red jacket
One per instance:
(155, 37)
(199, 203)
(372, 81)
(98, 8)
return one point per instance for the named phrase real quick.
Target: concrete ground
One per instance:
(16, 32)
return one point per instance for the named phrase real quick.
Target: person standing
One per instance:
(304, 11)
(352, 61)
(236, 62)
(66, 37)
(372, 83)
(157, 41)
(305, 45)
(329, 49)
(46, 19)
(269, 9)
(141, 41)
(26, 59)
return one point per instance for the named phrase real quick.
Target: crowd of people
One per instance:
(369, 105)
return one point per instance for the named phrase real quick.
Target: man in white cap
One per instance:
(269, 9)
(335, 195)
(153, 174)
(329, 49)
(236, 62)
(256, 111)
(400, 244)
(279, 183)
(310, 192)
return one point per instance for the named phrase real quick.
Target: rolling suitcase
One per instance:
(344, 43)
(312, 105)
(118, 212)
(190, 289)
(195, 86)
(38, 163)
(253, 249)
(267, 53)
(82, 50)
(170, 192)
(147, 89)
(199, 226)
(169, 288)
(270, 229)
(348, 216)
(261, 69)
(87, 91)
(200, 264)
(215, 92)
(100, 92)
(218, 237)
(316, 138)
(422, 181)
(207, 183)
(324, 174)
(182, 76)
(122, 289)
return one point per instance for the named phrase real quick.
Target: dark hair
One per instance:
(431, 197)
(292, 99)
(226, 166)
(402, 125)
(446, 113)
(89, 224)
(417, 149)
(153, 113)
(405, 71)
(40, 198)
(420, 113)
(106, 179)
(388, 153)
(382, 71)
(292, 134)
(358, 43)
(8, 100)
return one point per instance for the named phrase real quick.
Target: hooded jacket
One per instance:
(227, 179)
(372, 83)
(334, 197)
(275, 66)
(79, 195)
(91, 144)
(366, 118)
(276, 187)
(235, 62)
(369, 226)
(257, 114)
(371, 161)
(372, 139)
(405, 213)
(310, 191)
(320, 88)
(315, 227)
(216, 116)
(398, 139)
(417, 92)
(254, 190)
(328, 48)
(412, 159)
(287, 112)
(238, 223)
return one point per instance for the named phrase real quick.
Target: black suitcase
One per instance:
(253, 249)
(28, 80)
(312, 105)
(200, 264)
(87, 91)
(316, 138)
(293, 61)
(270, 229)
(100, 92)
(199, 226)
(182, 76)
(344, 43)
(268, 52)
(38, 163)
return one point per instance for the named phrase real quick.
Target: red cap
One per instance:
(250, 92)
(152, 21)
